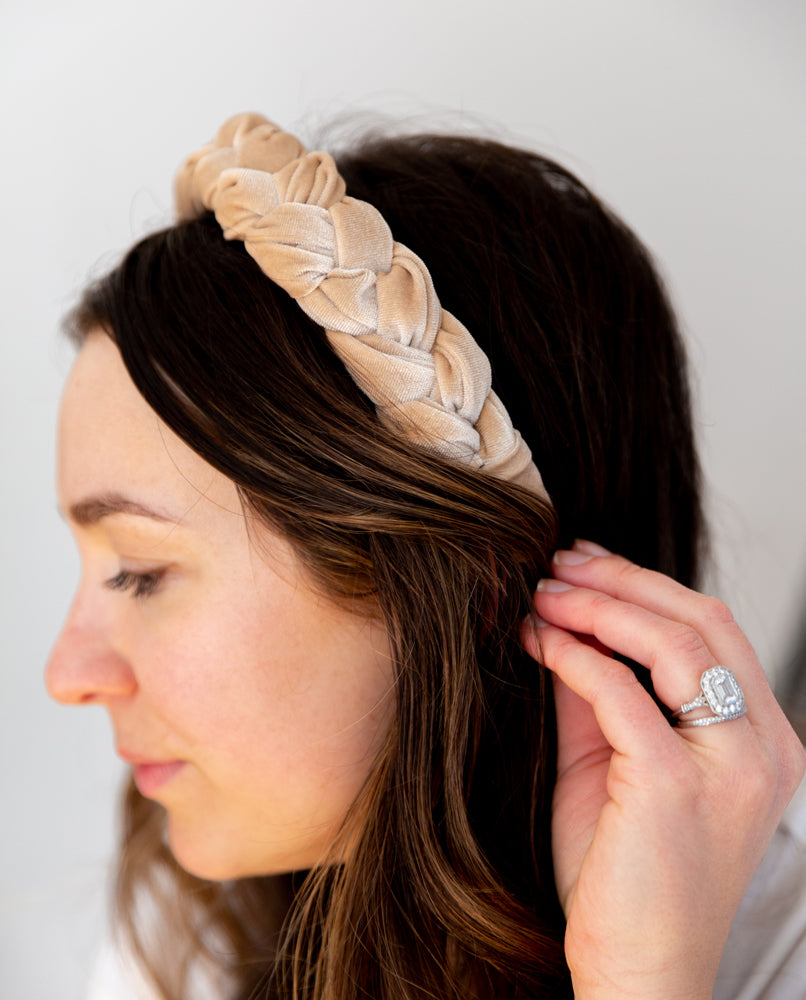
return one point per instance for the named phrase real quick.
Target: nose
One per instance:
(84, 668)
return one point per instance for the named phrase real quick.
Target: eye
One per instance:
(140, 584)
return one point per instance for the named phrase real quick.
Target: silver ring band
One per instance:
(707, 720)
(720, 691)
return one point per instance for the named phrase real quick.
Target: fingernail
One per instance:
(551, 586)
(533, 623)
(582, 545)
(569, 557)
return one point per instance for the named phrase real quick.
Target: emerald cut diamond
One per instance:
(722, 692)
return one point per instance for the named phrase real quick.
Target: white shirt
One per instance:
(765, 957)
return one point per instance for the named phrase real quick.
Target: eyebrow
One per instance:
(91, 510)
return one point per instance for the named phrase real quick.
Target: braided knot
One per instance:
(428, 378)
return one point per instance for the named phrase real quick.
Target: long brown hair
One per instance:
(447, 890)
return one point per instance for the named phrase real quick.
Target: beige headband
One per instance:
(428, 378)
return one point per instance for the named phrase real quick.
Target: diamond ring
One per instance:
(720, 691)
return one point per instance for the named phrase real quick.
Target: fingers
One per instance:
(628, 719)
(677, 634)
(589, 565)
(673, 631)
(674, 653)
(576, 726)
(638, 802)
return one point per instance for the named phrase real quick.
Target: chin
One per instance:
(217, 860)
(205, 856)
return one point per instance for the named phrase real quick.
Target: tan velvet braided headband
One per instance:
(428, 378)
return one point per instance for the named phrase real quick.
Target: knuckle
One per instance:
(612, 675)
(713, 611)
(761, 779)
(684, 641)
(564, 645)
(600, 602)
(792, 766)
(627, 572)
(556, 649)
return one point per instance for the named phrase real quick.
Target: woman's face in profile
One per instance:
(250, 707)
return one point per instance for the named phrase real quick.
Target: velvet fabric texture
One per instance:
(336, 256)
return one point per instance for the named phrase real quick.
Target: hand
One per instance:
(656, 830)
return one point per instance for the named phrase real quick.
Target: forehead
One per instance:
(111, 440)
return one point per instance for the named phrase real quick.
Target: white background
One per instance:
(686, 115)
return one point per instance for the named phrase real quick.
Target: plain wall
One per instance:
(686, 115)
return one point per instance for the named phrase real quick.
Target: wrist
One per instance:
(660, 988)
(678, 980)
(665, 966)
(616, 993)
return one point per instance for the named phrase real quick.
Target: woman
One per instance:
(304, 590)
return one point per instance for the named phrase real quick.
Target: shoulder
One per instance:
(116, 976)
(765, 957)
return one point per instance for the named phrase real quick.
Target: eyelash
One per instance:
(141, 585)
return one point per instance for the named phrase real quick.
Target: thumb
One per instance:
(578, 732)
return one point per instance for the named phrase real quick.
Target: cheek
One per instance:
(208, 673)
(281, 717)
(268, 688)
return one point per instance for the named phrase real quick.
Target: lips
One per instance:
(150, 774)
(149, 778)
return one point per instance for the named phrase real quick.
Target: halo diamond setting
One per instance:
(721, 693)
